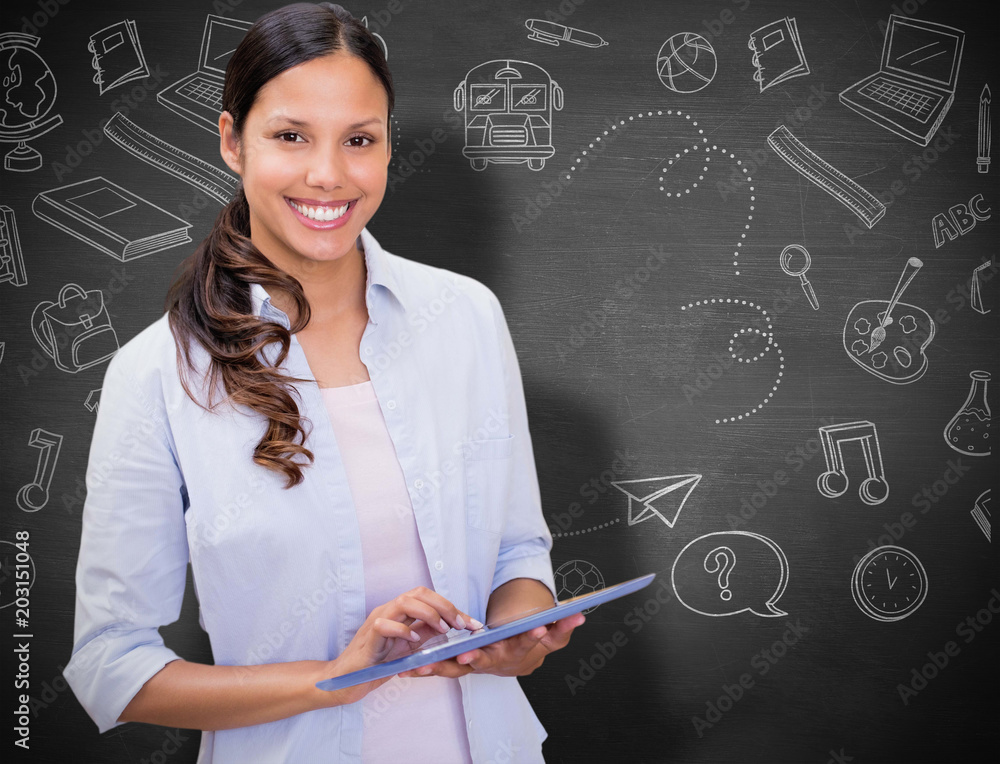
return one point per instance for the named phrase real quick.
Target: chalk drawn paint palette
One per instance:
(900, 358)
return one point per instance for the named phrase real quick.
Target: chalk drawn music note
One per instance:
(835, 482)
(35, 495)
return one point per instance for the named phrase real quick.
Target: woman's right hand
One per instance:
(391, 631)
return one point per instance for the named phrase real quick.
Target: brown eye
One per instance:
(357, 141)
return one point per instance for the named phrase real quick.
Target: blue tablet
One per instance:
(454, 643)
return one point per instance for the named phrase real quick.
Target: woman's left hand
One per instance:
(515, 656)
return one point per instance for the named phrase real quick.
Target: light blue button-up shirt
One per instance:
(278, 572)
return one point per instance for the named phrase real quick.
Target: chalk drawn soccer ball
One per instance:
(577, 577)
(686, 63)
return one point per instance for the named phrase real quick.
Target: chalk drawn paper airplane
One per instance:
(645, 491)
(912, 91)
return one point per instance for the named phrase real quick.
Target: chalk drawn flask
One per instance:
(969, 430)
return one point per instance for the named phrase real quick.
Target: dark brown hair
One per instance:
(209, 300)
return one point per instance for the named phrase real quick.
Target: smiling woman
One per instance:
(282, 452)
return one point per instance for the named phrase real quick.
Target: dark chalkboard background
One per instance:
(627, 375)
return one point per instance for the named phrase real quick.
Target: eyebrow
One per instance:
(300, 123)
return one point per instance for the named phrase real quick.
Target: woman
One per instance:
(334, 437)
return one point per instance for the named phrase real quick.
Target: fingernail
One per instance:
(460, 621)
(442, 625)
(414, 636)
(475, 624)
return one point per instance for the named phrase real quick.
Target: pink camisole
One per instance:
(416, 715)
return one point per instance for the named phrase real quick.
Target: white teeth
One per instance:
(321, 214)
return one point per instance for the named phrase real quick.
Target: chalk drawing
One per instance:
(914, 88)
(34, 495)
(889, 583)
(508, 109)
(767, 335)
(903, 359)
(777, 53)
(642, 494)
(874, 489)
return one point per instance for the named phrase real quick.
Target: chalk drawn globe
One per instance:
(577, 577)
(686, 63)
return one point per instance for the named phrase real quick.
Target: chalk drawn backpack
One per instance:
(76, 330)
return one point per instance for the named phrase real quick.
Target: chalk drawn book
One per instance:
(117, 55)
(111, 218)
(777, 53)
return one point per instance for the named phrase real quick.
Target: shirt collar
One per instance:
(380, 272)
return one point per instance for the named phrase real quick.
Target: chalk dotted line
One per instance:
(586, 530)
(704, 169)
(736, 335)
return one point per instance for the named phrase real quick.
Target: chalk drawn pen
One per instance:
(984, 130)
(551, 34)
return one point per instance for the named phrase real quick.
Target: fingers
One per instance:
(429, 606)
(386, 627)
(448, 668)
(557, 634)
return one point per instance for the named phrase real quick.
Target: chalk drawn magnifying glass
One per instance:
(787, 254)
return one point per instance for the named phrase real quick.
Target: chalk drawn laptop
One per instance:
(198, 97)
(915, 86)
(444, 646)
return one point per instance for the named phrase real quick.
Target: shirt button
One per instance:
(418, 483)
(390, 405)
(470, 724)
(439, 565)
(368, 350)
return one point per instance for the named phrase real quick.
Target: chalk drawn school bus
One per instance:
(508, 113)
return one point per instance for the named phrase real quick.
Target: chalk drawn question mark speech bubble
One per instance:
(706, 571)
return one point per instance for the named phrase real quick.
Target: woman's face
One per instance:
(317, 137)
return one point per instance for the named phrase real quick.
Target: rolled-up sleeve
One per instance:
(132, 566)
(526, 540)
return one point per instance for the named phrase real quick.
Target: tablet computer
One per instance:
(444, 646)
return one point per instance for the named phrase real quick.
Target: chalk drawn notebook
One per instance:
(117, 55)
(777, 53)
(111, 218)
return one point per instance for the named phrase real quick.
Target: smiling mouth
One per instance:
(321, 214)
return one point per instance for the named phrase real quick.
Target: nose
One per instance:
(326, 166)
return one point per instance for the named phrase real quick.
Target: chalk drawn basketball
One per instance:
(686, 63)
